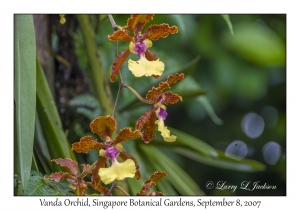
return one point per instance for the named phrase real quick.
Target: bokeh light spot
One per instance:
(237, 149)
(253, 125)
(271, 152)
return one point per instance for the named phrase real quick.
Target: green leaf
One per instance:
(87, 105)
(24, 94)
(78, 129)
(18, 188)
(186, 69)
(223, 161)
(38, 186)
(40, 147)
(189, 94)
(181, 181)
(188, 88)
(91, 115)
(34, 165)
(209, 109)
(182, 25)
(164, 184)
(166, 188)
(193, 142)
(227, 20)
(134, 186)
(57, 143)
(86, 100)
(257, 44)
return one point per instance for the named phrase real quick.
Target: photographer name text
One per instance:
(153, 202)
(245, 185)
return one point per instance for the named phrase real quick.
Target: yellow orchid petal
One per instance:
(159, 104)
(148, 43)
(102, 153)
(131, 47)
(165, 132)
(117, 171)
(120, 147)
(143, 67)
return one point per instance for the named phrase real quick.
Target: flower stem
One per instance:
(111, 188)
(113, 23)
(115, 28)
(115, 185)
(83, 174)
(136, 94)
(122, 190)
(120, 82)
(117, 100)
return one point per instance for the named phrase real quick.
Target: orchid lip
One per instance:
(162, 113)
(117, 171)
(140, 48)
(112, 153)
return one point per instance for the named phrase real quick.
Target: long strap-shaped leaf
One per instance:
(181, 181)
(24, 95)
(57, 142)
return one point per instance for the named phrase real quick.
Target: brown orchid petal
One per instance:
(150, 56)
(154, 32)
(118, 63)
(94, 194)
(156, 76)
(149, 128)
(104, 126)
(137, 22)
(120, 35)
(125, 134)
(142, 120)
(99, 188)
(170, 98)
(69, 164)
(172, 79)
(155, 93)
(81, 188)
(125, 156)
(73, 185)
(95, 175)
(59, 176)
(96, 180)
(85, 167)
(152, 181)
(86, 144)
(157, 194)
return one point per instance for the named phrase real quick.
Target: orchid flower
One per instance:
(104, 127)
(158, 114)
(117, 171)
(148, 63)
